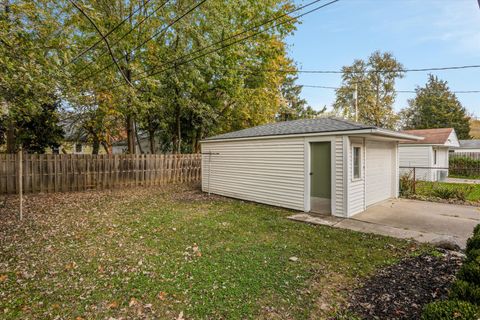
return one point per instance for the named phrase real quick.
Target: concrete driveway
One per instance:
(419, 220)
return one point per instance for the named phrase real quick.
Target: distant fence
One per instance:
(469, 155)
(62, 173)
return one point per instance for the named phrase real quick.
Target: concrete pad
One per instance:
(408, 219)
(325, 220)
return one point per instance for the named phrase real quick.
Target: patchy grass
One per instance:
(172, 253)
(472, 191)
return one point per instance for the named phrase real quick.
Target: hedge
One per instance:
(450, 309)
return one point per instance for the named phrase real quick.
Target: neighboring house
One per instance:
(430, 155)
(324, 165)
(467, 146)
(121, 147)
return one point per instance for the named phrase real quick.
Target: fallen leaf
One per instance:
(162, 295)
(180, 316)
(112, 305)
(3, 278)
(133, 302)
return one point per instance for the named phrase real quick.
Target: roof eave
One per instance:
(398, 135)
(375, 131)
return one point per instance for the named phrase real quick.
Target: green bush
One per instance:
(462, 290)
(473, 243)
(464, 166)
(457, 193)
(450, 309)
(476, 231)
(470, 272)
(474, 255)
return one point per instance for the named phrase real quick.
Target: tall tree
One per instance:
(435, 106)
(33, 42)
(375, 83)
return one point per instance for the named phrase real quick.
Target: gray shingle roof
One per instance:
(295, 127)
(470, 144)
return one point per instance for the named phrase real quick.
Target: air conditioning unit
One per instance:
(442, 175)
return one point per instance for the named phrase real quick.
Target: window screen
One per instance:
(357, 159)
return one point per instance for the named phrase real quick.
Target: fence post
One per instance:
(20, 181)
(414, 182)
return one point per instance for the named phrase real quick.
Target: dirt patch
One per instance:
(400, 291)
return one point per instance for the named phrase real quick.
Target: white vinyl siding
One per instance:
(380, 171)
(340, 190)
(412, 156)
(269, 171)
(356, 187)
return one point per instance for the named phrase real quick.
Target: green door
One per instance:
(320, 170)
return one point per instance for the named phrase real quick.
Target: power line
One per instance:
(148, 39)
(399, 91)
(239, 40)
(124, 36)
(104, 39)
(474, 66)
(155, 66)
(109, 32)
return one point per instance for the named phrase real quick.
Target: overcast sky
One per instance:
(420, 33)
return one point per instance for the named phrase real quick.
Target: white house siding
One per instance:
(416, 156)
(340, 190)
(356, 188)
(270, 171)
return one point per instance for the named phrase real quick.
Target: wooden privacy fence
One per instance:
(469, 155)
(72, 172)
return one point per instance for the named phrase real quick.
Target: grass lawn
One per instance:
(158, 253)
(424, 188)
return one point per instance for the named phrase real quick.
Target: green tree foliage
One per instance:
(435, 106)
(375, 81)
(186, 98)
(32, 44)
(39, 130)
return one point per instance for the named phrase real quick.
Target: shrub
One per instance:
(464, 166)
(473, 243)
(457, 192)
(470, 272)
(476, 231)
(407, 185)
(474, 255)
(462, 290)
(450, 309)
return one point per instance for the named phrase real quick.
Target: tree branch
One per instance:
(104, 39)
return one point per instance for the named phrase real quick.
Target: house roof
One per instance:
(437, 136)
(469, 144)
(304, 126)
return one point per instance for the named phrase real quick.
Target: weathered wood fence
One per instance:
(62, 173)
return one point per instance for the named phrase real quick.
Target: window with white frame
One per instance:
(434, 156)
(357, 162)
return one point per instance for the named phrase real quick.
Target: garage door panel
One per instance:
(379, 171)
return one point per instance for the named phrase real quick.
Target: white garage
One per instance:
(380, 162)
(326, 165)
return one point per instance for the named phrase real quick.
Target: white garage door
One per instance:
(379, 171)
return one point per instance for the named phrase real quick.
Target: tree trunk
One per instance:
(11, 145)
(130, 135)
(138, 139)
(95, 145)
(151, 138)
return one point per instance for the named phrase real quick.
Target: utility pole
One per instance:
(355, 96)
